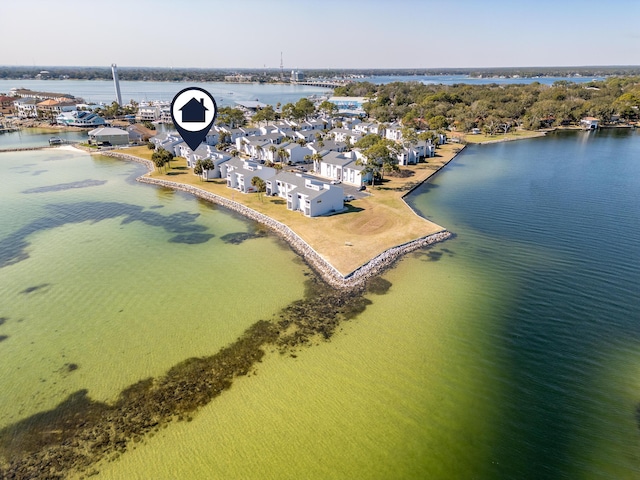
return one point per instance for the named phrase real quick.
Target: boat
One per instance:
(55, 141)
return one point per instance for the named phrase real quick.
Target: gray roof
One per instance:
(108, 131)
(327, 145)
(335, 158)
(300, 182)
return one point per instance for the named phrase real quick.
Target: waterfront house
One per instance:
(412, 154)
(169, 141)
(139, 133)
(204, 152)
(192, 156)
(51, 108)
(26, 107)
(148, 113)
(218, 159)
(310, 196)
(589, 123)
(108, 136)
(341, 167)
(26, 93)
(76, 118)
(7, 106)
(239, 173)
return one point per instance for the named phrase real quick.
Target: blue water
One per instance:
(557, 220)
(226, 94)
(510, 351)
(453, 79)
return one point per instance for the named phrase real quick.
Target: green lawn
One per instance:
(347, 240)
(514, 135)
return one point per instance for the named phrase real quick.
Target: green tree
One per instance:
(381, 158)
(273, 149)
(289, 111)
(158, 161)
(367, 141)
(266, 114)
(328, 108)
(223, 136)
(259, 185)
(305, 108)
(283, 155)
(198, 169)
(233, 117)
(162, 158)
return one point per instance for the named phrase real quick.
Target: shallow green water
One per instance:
(106, 288)
(510, 351)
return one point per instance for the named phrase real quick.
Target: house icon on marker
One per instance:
(194, 111)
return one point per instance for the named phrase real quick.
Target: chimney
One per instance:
(202, 102)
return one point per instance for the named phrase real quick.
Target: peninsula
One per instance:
(345, 248)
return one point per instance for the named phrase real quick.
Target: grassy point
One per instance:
(347, 240)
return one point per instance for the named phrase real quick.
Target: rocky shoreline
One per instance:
(328, 272)
(81, 433)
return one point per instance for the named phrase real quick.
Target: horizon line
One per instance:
(277, 68)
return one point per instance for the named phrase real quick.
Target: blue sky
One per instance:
(321, 34)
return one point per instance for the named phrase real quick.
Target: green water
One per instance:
(510, 351)
(119, 299)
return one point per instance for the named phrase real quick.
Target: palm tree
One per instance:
(273, 149)
(260, 185)
(317, 159)
(283, 155)
(370, 168)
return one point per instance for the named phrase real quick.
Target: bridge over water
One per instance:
(322, 83)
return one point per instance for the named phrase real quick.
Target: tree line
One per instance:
(498, 108)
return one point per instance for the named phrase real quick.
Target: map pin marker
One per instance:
(193, 111)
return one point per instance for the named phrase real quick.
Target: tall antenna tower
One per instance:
(281, 68)
(116, 83)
